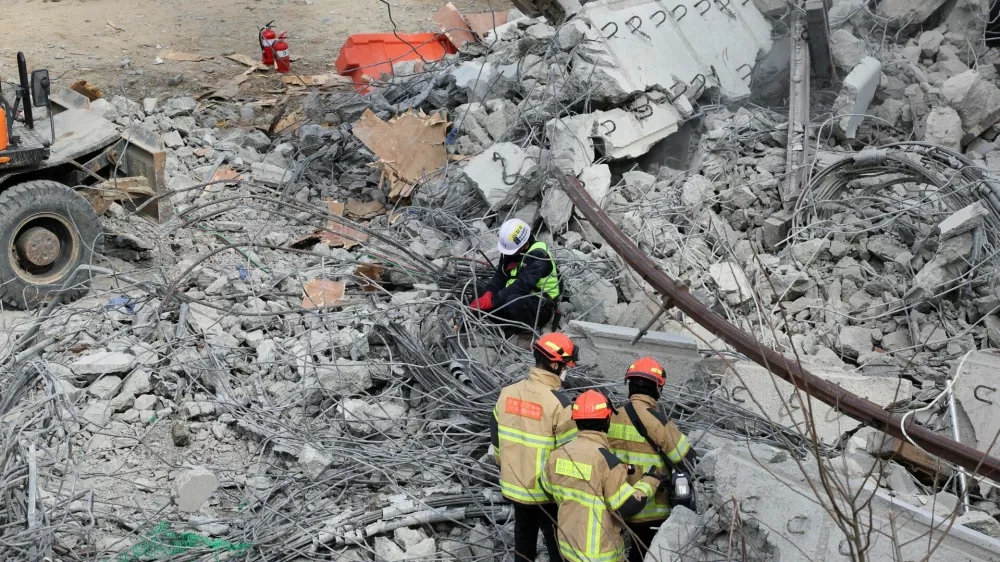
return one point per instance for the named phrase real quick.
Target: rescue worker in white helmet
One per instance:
(525, 286)
(645, 438)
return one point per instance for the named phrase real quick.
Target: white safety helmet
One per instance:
(514, 234)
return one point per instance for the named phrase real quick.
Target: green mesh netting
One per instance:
(163, 542)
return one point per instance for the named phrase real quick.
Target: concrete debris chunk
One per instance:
(269, 174)
(975, 98)
(732, 281)
(313, 462)
(193, 487)
(103, 363)
(848, 51)
(963, 220)
(944, 127)
(104, 388)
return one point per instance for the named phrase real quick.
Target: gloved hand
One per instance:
(652, 473)
(484, 303)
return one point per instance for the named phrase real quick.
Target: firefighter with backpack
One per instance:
(642, 436)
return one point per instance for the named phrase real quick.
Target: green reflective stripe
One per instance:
(570, 553)
(564, 438)
(645, 460)
(678, 452)
(620, 496)
(549, 284)
(562, 493)
(645, 488)
(625, 432)
(518, 493)
(525, 438)
(652, 510)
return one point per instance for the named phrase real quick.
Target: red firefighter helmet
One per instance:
(592, 405)
(557, 347)
(646, 368)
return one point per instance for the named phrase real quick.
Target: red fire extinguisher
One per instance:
(281, 60)
(266, 37)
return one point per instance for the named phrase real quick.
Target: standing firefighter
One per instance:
(532, 417)
(525, 286)
(645, 444)
(591, 486)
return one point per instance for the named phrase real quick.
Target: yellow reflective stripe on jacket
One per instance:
(623, 493)
(524, 495)
(566, 437)
(677, 453)
(562, 493)
(645, 460)
(625, 432)
(525, 438)
(644, 487)
(549, 284)
(576, 555)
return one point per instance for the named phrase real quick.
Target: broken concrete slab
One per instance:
(963, 220)
(192, 487)
(596, 180)
(778, 498)
(974, 393)
(905, 13)
(503, 172)
(104, 388)
(631, 132)
(718, 49)
(676, 536)
(610, 349)
(780, 401)
(557, 208)
(102, 363)
(313, 462)
(848, 50)
(269, 174)
(976, 99)
(857, 94)
(731, 281)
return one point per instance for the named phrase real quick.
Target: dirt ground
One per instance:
(88, 39)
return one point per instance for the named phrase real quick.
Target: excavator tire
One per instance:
(47, 230)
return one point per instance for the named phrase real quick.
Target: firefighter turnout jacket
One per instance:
(628, 445)
(532, 417)
(590, 484)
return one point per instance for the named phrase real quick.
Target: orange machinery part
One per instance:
(369, 55)
(3, 130)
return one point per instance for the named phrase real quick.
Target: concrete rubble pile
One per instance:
(285, 369)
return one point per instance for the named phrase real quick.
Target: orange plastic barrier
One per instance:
(372, 54)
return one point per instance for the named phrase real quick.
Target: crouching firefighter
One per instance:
(591, 486)
(533, 417)
(525, 286)
(642, 436)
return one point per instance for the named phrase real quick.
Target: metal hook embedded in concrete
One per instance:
(613, 32)
(613, 126)
(707, 8)
(975, 393)
(674, 12)
(745, 75)
(652, 17)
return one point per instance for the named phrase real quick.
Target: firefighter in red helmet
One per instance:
(532, 417)
(643, 437)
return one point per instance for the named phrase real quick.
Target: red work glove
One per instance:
(483, 303)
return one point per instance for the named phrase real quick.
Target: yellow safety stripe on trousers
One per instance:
(575, 555)
(625, 432)
(524, 438)
(677, 453)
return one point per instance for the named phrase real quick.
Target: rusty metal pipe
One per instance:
(790, 370)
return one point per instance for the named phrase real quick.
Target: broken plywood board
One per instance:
(324, 80)
(451, 22)
(408, 147)
(356, 209)
(486, 22)
(322, 293)
(87, 89)
(338, 234)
